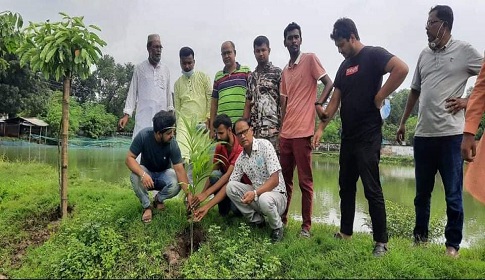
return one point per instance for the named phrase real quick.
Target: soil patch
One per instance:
(39, 229)
(180, 249)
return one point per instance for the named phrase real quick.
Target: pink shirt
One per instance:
(299, 86)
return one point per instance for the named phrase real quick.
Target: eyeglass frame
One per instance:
(241, 133)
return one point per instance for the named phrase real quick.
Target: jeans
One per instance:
(361, 159)
(226, 205)
(298, 152)
(165, 183)
(432, 154)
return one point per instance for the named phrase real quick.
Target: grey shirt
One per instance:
(440, 75)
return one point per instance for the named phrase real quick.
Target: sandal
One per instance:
(147, 215)
(158, 205)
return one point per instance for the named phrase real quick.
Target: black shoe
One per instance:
(277, 235)
(420, 240)
(380, 249)
(258, 225)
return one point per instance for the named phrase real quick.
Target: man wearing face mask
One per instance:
(192, 96)
(149, 89)
(439, 82)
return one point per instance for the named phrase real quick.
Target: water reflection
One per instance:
(398, 184)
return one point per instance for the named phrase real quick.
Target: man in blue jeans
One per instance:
(161, 166)
(439, 81)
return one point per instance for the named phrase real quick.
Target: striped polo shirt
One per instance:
(230, 90)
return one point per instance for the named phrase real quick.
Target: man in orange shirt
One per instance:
(298, 95)
(475, 172)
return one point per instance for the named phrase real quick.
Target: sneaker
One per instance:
(380, 249)
(277, 235)
(452, 252)
(342, 236)
(304, 233)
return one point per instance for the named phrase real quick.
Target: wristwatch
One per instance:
(255, 196)
(318, 103)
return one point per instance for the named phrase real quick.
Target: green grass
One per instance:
(104, 238)
(385, 159)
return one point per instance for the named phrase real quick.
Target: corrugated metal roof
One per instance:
(27, 121)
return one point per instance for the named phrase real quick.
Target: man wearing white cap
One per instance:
(150, 88)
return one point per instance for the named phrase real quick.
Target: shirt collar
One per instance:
(238, 66)
(296, 61)
(443, 48)
(266, 67)
(254, 147)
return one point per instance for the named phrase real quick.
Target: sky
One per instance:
(398, 26)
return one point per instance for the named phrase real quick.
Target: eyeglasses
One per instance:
(244, 132)
(431, 22)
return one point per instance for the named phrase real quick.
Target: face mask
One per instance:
(188, 74)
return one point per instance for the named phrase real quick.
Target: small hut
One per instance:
(21, 127)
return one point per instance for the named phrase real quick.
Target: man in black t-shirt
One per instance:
(161, 166)
(358, 90)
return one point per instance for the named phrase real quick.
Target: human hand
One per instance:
(378, 101)
(123, 121)
(400, 134)
(316, 138)
(147, 181)
(200, 213)
(454, 105)
(322, 115)
(468, 147)
(197, 199)
(248, 197)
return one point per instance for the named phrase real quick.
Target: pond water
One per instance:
(398, 184)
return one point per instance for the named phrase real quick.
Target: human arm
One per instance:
(473, 116)
(247, 109)
(202, 211)
(411, 102)
(183, 180)
(135, 167)
(130, 101)
(208, 98)
(323, 96)
(208, 189)
(213, 113)
(327, 115)
(169, 92)
(398, 70)
(267, 186)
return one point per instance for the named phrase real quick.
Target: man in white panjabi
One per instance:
(149, 90)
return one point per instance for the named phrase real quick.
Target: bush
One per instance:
(400, 222)
(241, 257)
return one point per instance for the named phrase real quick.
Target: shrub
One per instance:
(241, 257)
(400, 222)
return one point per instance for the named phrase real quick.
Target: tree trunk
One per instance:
(64, 134)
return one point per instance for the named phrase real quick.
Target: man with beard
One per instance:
(225, 157)
(298, 95)
(359, 93)
(439, 82)
(149, 89)
(161, 166)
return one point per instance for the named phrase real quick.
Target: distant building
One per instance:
(23, 127)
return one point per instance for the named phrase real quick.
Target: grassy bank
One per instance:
(385, 159)
(104, 238)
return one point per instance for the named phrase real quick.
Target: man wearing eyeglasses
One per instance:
(265, 198)
(161, 165)
(149, 89)
(230, 86)
(439, 82)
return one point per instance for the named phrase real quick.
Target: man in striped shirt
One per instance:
(230, 86)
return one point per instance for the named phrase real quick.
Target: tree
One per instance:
(96, 121)
(10, 35)
(67, 49)
(53, 114)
